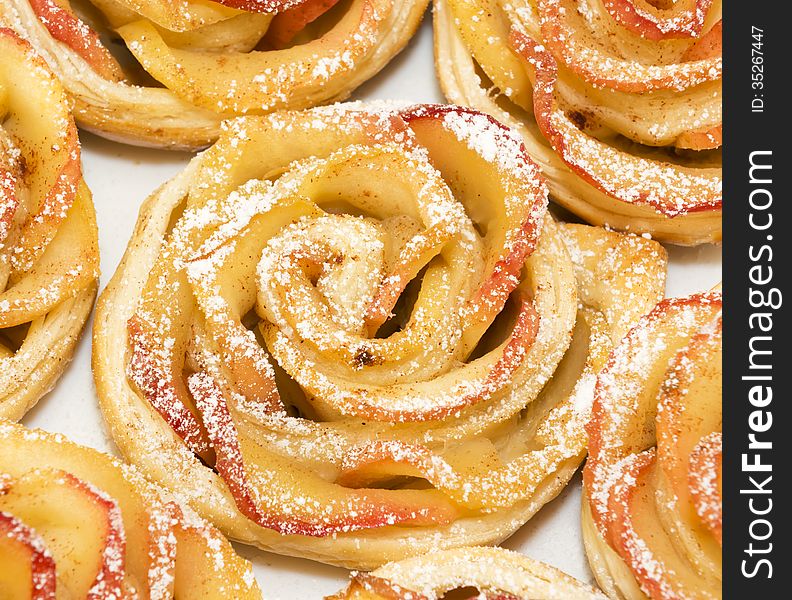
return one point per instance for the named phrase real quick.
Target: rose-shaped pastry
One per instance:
(652, 483)
(76, 523)
(49, 256)
(619, 101)
(353, 334)
(492, 573)
(167, 72)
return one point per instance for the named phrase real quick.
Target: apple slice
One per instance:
(472, 474)
(706, 482)
(684, 19)
(206, 565)
(701, 139)
(9, 179)
(173, 17)
(66, 27)
(80, 525)
(669, 189)
(637, 535)
(710, 45)
(483, 27)
(507, 196)
(145, 546)
(367, 586)
(275, 493)
(45, 207)
(289, 23)
(27, 569)
(689, 403)
(263, 81)
(38, 116)
(66, 267)
(155, 369)
(270, 7)
(625, 403)
(571, 41)
(435, 399)
(690, 411)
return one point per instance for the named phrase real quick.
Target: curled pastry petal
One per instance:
(79, 523)
(177, 68)
(49, 255)
(652, 484)
(669, 189)
(482, 572)
(617, 100)
(66, 27)
(682, 19)
(28, 567)
(357, 335)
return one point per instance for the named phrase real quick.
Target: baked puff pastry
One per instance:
(476, 572)
(652, 483)
(618, 101)
(76, 523)
(352, 333)
(49, 255)
(167, 72)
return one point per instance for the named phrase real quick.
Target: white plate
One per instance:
(121, 177)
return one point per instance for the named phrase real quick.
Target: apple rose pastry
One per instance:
(49, 256)
(652, 483)
(167, 72)
(76, 523)
(619, 101)
(352, 333)
(473, 572)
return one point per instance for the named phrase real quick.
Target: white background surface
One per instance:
(121, 177)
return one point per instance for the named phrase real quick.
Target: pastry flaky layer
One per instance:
(49, 255)
(76, 523)
(480, 571)
(167, 72)
(652, 483)
(618, 101)
(353, 333)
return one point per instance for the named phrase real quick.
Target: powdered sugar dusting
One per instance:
(350, 260)
(642, 398)
(62, 463)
